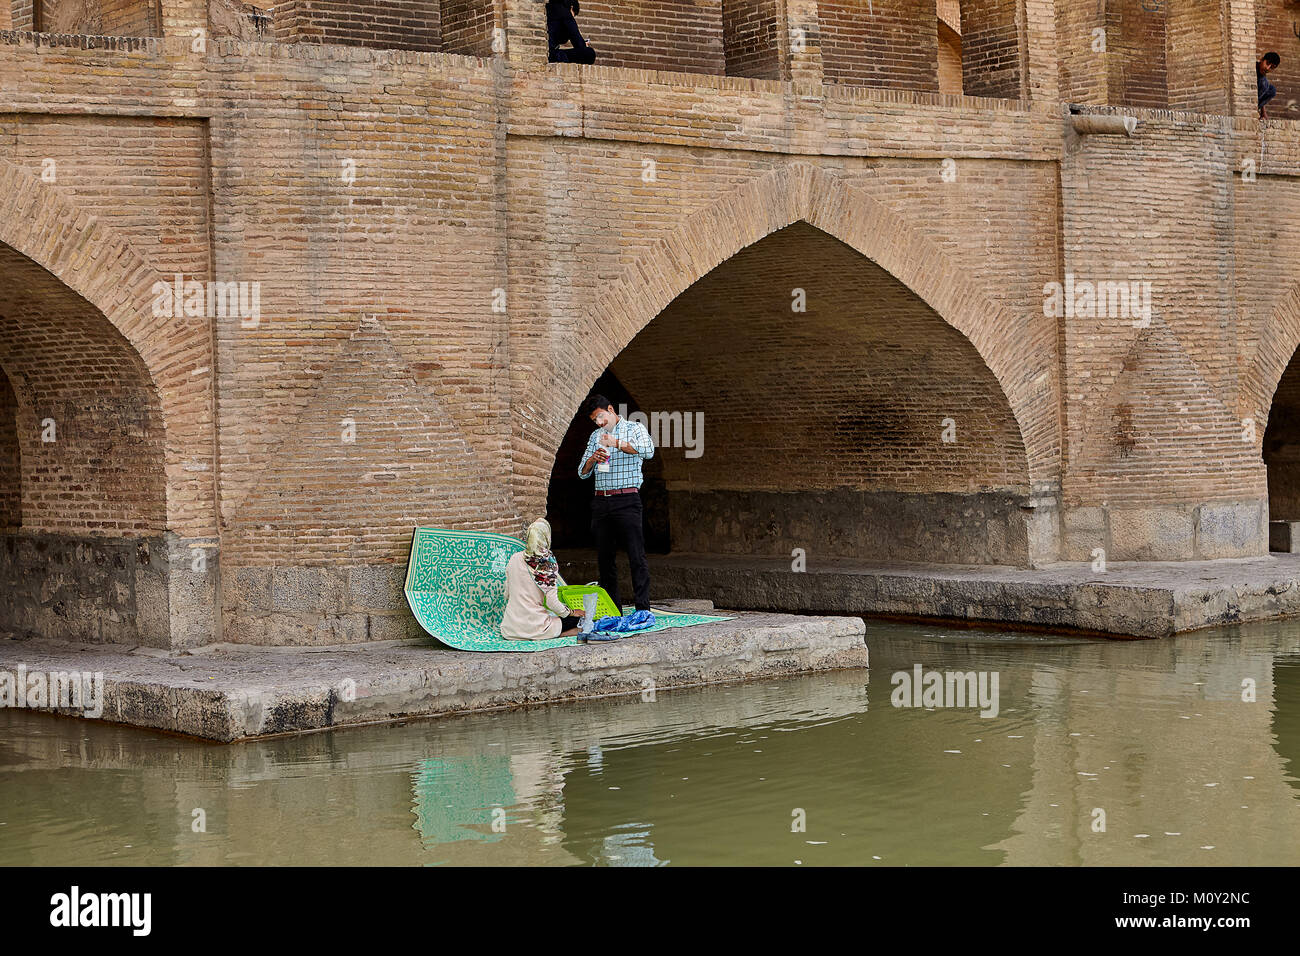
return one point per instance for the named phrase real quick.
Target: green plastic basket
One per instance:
(571, 595)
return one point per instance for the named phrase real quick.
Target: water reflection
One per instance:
(1154, 734)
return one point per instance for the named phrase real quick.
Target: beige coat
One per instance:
(526, 617)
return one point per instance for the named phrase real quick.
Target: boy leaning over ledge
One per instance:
(1265, 65)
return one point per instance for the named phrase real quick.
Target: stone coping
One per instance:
(227, 693)
(1130, 599)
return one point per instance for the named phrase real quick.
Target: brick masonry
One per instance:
(450, 249)
(389, 24)
(678, 35)
(754, 35)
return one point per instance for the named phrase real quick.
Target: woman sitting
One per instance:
(534, 611)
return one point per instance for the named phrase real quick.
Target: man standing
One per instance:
(1265, 65)
(614, 452)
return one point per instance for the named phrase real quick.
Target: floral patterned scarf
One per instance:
(545, 568)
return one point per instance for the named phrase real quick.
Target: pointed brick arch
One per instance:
(1022, 365)
(103, 268)
(1278, 342)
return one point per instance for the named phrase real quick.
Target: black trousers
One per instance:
(586, 55)
(616, 525)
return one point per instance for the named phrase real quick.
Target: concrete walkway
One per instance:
(229, 692)
(1130, 599)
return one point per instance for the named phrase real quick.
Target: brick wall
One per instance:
(892, 44)
(751, 33)
(949, 60)
(1281, 450)
(136, 18)
(11, 498)
(990, 47)
(1084, 71)
(129, 18)
(143, 175)
(21, 14)
(684, 36)
(232, 18)
(1167, 55)
(71, 16)
(467, 26)
(1136, 39)
(380, 300)
(801, 408)
(389, 24)
(89, 425)
(1197, 57)
(1275, 30)
(1158, 406)
(183, 17)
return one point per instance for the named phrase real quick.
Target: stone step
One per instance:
(1284, 536)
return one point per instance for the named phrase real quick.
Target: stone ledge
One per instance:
(1131, 599)
(228, 693)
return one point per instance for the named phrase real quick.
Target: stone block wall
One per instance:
(106, 590)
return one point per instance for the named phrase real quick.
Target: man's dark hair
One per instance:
(593, 402)
(1272, 59)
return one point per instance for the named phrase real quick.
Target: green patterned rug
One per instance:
(456, 587)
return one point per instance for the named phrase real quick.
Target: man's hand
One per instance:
(597, 456)
(608, 440)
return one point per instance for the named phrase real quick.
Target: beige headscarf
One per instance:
(537, 554)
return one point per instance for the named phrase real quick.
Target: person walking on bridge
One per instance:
(615, 452)
(562, 28)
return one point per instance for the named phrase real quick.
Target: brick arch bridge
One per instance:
(454, 239)
(801, 192)
(796, 193)
(113, 446)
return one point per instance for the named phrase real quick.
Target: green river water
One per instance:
(1154, 734)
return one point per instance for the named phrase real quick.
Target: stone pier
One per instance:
(234, 692)
(1130, 599)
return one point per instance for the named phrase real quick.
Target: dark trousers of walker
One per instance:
(616, 525)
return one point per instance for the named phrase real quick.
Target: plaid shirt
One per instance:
(624, 469)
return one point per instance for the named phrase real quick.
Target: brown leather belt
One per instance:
(617, 491)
